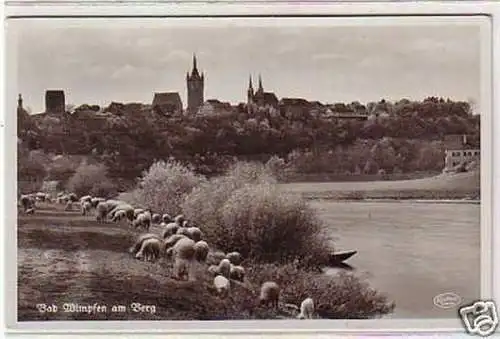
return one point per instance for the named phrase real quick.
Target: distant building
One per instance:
(456, 157)
(167, 103)
(458, 151)
(195, 88)
(55, 101)
(214, 106)
(259, 97)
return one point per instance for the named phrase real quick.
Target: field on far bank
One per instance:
(444, 186)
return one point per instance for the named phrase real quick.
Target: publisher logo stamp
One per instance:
(480, 318)
(447, 300)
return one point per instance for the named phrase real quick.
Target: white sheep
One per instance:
(183, 231)
(201, 251)
(166, 218)
(96, 201)
(195, 233)
(156, 218)
(306, 309)
(237, 273)
(213, 269)
(85, 206)
(179, 220)
(235, 258)
(101, 211)
(121, 206)
(27, 202)
(143, 220)
(138, 211)
(150, 249)
(183, 252)
(172, 240)
(86, 198)
(269, 293)
(138, 243)
(69, 206)
(215, 258)
(170, 229)
(119, 215)
(224, 268)
(222, 284)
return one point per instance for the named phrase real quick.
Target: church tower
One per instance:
(250, 92)
(19, 102)
(195, 88)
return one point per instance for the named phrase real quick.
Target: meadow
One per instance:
(444, 186)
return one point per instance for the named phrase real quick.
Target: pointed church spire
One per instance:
(194, 61)
(260, 84)
(19, 101)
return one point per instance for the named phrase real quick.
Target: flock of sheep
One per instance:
(177, 241)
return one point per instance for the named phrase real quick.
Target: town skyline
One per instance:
(339, 64)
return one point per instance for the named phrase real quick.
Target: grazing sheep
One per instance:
(179, 220)
(40, 196)
(27, 202)
(237, 273)
(138, 211)
(269, 293)
(225, 268)
(156, 218)
(86, 198)
(69, 206)
(143, 220)
(172, 240)
(222, 284)
(101, 211)
(138, 243)
(96, 201)
(150, 249)
(183, 231)
(183, 252)
(306, 309)
(235, 258)
(85, 207)
(119, 215)
(201, 251)
(195, 233)
(126, 208)
(166, 218)
(214, 258)
(213, 269)
(170, 229)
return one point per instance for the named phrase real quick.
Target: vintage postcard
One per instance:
(247, 169)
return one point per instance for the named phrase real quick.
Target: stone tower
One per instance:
(55, 101)
(195, 88)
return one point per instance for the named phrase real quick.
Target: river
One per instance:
(410, 251)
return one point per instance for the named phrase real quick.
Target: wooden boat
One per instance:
(339, 257)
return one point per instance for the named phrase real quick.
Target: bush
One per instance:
(164, 186)
(245, 211)
(91, 179)
(343, 296)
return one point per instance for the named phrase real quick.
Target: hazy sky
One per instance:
(99, 61)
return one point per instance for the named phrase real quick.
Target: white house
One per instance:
(456, 157)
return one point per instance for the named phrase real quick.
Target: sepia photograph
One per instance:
(248, 168)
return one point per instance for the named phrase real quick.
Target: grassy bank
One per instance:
(64, 257)
(445, 186)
